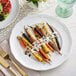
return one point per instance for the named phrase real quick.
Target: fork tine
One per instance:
(2, 52)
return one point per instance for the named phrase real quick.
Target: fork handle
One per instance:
(15, 74)
(19, 69)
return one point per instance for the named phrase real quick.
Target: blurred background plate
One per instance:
(12, 15)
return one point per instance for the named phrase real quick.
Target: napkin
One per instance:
(5, 45)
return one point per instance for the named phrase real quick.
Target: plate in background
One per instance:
(12, 15)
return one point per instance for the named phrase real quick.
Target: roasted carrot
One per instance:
(26, 42)
(45, 60)
(57, 43)
(25, 36)
(55, 37)
(29, 35)
(52, 45)
(36, 34)
(47, 29)
(34, 53)
(44, 54)
(49, 47)
(45, 48)
(54, 48)
(40, 29)
(37, 56)
(31, 39)
(21, 42)
(49, 33)
(50, 27)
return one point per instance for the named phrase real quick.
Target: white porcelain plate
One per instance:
(64, 38)
(13, 14)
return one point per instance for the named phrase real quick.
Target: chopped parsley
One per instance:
(36, 35)
(26, 52)
(35, 50)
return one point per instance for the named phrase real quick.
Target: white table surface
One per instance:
(69, 67)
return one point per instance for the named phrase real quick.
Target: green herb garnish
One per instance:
(36, 35)
(35, 50)
(26, 52)
(28, 35)
(31, 47)
(35, 2)
(41, 46)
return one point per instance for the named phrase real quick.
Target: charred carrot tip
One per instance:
(60, 53)
(49, 59)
